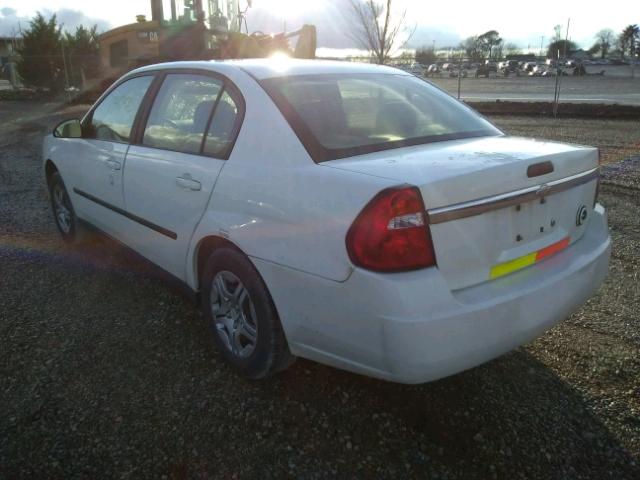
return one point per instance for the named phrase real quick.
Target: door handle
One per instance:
(114, 165)
(185, 181)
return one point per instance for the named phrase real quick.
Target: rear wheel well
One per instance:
(206, 247)
(49, 169)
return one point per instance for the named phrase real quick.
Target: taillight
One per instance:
(390, 234)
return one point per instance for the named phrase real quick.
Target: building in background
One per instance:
(8, 52)
(8, 46)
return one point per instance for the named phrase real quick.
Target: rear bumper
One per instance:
(494, 319)
(412, 328)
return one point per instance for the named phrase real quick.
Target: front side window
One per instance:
(113, 118)
(338, 116)
(181, 112)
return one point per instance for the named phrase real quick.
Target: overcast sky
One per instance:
(446, 22)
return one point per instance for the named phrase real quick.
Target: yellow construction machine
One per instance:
(196, 30)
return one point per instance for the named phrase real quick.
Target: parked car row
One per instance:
(504, 68)
(441, 69)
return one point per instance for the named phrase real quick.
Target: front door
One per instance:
(100, 156)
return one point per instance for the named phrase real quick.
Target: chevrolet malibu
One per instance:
(354, 215)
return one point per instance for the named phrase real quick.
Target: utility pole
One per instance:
(556, 95)
(66, 73)
(459, 74)
(541, 42)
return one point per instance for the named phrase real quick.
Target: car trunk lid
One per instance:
(490, 212)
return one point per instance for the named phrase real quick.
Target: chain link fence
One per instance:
(531, 80)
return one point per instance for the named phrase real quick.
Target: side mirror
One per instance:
(68, 129)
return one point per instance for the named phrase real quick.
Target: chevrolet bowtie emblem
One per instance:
(543, 190)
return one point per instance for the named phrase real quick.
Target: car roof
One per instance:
(262, 68)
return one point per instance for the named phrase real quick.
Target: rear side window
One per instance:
(221, 132)
(181, 112)
(113, 118)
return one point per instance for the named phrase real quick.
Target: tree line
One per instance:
(490, 46)
(382, 29)
(50, 58)
(625, 43)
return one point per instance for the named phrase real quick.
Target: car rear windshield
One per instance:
(338, 116)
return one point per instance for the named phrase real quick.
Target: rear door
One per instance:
(171, 170)
(96, 178)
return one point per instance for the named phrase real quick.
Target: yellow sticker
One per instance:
(512, 265)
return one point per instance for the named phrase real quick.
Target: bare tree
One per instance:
(489, 40)
(604, 38)
(557, 33)
(378, 29)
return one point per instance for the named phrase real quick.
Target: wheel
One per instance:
(63, 212)
(242, 317)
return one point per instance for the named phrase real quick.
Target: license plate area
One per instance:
(533, 220)
(467, 249)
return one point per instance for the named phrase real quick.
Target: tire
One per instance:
(245, 327)
(63, 213)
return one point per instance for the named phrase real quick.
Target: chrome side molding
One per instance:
(495, 202)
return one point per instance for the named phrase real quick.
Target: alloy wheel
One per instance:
(61, 208)
(234, 314)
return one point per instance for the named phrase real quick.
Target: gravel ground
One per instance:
(617, 139)
(108, 371)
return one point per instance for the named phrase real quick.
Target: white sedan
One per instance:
(354, 215)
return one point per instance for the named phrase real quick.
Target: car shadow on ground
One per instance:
(150, 384)
(512, 417)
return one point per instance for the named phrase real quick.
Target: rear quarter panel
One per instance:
(276, 204)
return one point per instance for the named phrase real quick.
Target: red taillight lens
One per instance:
(391, 234)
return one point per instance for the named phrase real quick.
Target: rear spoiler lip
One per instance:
(495, 202)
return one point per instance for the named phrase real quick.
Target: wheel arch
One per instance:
(49, 169)
(203, 250)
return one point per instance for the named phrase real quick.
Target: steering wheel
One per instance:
(103, 132)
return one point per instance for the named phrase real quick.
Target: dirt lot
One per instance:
(105, 370)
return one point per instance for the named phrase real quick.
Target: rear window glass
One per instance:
(337, 116)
